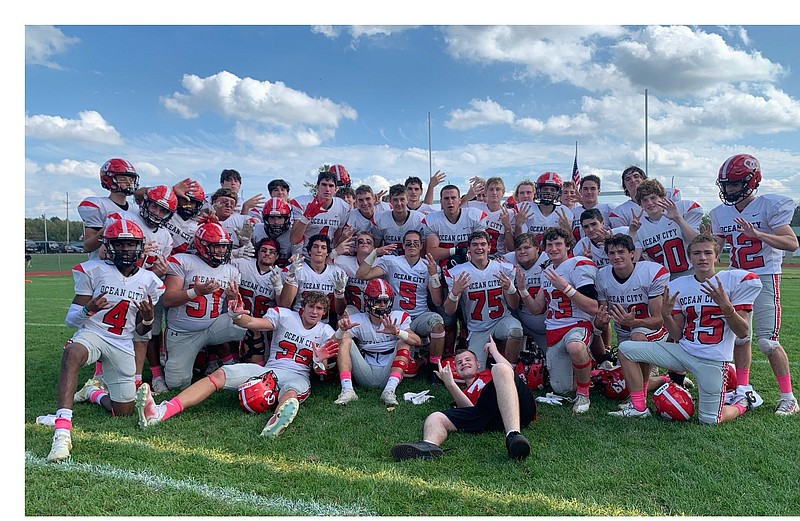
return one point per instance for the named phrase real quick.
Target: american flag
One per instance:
(576, 175)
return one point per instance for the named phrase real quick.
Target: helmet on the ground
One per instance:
(259, 393)
(673, 402)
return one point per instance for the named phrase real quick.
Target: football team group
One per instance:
(489, 297)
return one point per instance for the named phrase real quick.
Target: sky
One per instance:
(278, 101)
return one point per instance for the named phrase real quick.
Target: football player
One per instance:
(198, 286)
(113, 298)
(493, 400)
(758, 228)
(390, 227)
(183, 222)
(529, 262)
(546, 210)
(447, 231)
(588, 196)
(705, 313)
(298, 340)
(381, 353)
(485, 290)
(413, 186)
(365, 212)
(624, 213)
(240, 227)
(276, 218)
(569, 295)
(318, 214)
(498, 217)
(592, 245)
(412, 278)
(666, 229)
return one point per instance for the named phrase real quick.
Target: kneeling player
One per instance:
(297, 340)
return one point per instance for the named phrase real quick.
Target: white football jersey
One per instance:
(389, 232)
(621, 214)
(766, 213)
(377, 347)
(200, 312)
(160, 235)
(117, 323)
(494, 226)
(561, 312)
(326, 222)
(597, 252)
(356, 221)
(537, 223)
(533, 279)
(662, 241)
(706, 333)
(577, 231)
(409, 283)
(482, 301)
(647, 281)
(454, 234)
(354, 291)
(95, 210)
(255, 287)
(285, 245)
(424, 208)
(182, 233)
(292, 344)
(234, 225)
(310, 280)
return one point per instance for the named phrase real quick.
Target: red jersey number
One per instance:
(489, 297)
(302, 356)
(710, 321)
(198, 310)
(408, 294)
(745, 252)
(116, 317)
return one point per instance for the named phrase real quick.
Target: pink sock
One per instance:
(742, 376)
(97, 395)
(137, 380)
(174, 406)
(156, 371)
(785, 383)
(63, 423)
(98, 368)
(228, 359)
(741, 408)
(639, 400)
(665, 378)
(436, 359)
(583, 388)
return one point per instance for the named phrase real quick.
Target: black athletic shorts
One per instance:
(485, 414)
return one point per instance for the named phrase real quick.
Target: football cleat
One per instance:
(418, 450)
(388, 397)
(630, 412)
(159, 385)
(85, 392)
(581, 404)
(61, 448)
(282, 418)
(149, 413)
(787, 407)
(346, 396)
(517, 445)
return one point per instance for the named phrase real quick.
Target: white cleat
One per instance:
(787, 407)
(345, 397)
(159, 385)
(581, 404)
(389, 397)
(149, 413)
(281, 419)
(85, 392)
(61, 448)
(630, 412)
(48, 420)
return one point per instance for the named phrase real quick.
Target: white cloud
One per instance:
(71, 168)
(90, 127)
(483, 112)
(358, 31)
(44, 41)
(329, 31)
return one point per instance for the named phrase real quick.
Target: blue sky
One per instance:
(281, 100)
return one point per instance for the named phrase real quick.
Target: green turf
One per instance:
(55, 261)
(210, 460)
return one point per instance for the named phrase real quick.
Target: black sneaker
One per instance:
(420, 449)
(517, 445)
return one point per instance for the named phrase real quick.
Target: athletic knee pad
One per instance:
(515, 333)
(767, 346)
(741, 341)
(434, 320)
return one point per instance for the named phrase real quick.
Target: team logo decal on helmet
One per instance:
(118, 232)
(673, 402)
(259, 393)
(741, 168)
(161, 196)
(189, 208)
(376, 293)
(207, 240)
(611, 383)
(114, 167)
(276, 207)
(531, 370)
(550, 179)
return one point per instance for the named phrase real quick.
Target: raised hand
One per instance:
(185, 188)
(339, 283)
(505, 281)
(437, 178)
(204, 288)
(636, 221)
(444, 373)
(668, 302)
(716, 292)
(232, 291)
(276, 280)
(602, 319)
(146, 308)
(314, 208)
(323, 351)
(747, 228)
(557, 280)
(388, 326)
(431, 264)
(236, 307)
(460, 283)
(344, 322)
(622, 317)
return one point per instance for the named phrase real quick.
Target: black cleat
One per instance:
(517, 445)
(420, 449)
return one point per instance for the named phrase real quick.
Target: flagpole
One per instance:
(645, 132)
(430, 157)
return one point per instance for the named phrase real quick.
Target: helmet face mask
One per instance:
(115, 167)
(378, 297)
(158, 197)
(553, 194)
(742, 170)
(190, 209)
(118, 238)
(213, 244)
(276, 207)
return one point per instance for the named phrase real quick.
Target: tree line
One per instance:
(56, 230)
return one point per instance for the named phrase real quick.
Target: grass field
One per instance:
(335, 460)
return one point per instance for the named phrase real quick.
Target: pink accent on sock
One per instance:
(741, 408)
(785, 383)
(436, 359)
(665, 379)
(174, 406)
(742, 376)
(345, 375)
(137, 379)
(63, 423)
(396, 376)
(156, 371)
(227, 359)
(97, 395)
(639, 400)
(583, 388)
(98, 368)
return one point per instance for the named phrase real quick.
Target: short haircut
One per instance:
(524, 182)
(591, 213)
(449, 187)
(413, 180)
(631, 169)
(364, 189)
(269, 242)
(229, 173)
(277, 183)
(591, 177)
(552, 234)
(397, 190)
(345, 191)
(496, 181)
(326, 175)
(318, 237)
(479, 234)
(418, 232)
(367, 233)
(460, 351)
(649, 187)
(568, 184)
(315, 297)
(224, 192)
(522, 238)
(619, 239)
(704, 237)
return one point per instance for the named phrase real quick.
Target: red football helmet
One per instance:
(114, 167)
(530, 368)
(673, 402)
(611, 383)
(741, 168)
(378, 290)
(548, 179)
(276, 207)
(342, 177)
(413, 367)
(452, 363)
(162, 196)
(118, 231)
(260, 393)
(188, 209)
(729, 377)
(208, 236)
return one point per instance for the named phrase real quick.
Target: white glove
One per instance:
(417, 398)
(275, 280)
(339, 283)
(552, 399)
(296, 265)
(246, 251)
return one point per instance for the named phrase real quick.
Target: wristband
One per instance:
(512, 290)
(369, 260)
(303, 219)
(525, 294)
(191, 293)
(339, 334)
(403, 335)
(570, 291)
(333, 254)
(148, 322)
(452, 296)
(452, 251)
(337, 294)
(597, 331)
(435, 282)
(86, 311)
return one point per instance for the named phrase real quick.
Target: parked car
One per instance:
(31, 247)
(52, 247)
(74, 247)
